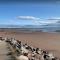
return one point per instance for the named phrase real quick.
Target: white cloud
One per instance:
(54, 18)
(27, 18)
(39, 21)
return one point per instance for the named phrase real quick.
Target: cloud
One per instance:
(34, 20)
(27, 18)
(54, 18)
(39, 21)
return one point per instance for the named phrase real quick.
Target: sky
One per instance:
(26, 13)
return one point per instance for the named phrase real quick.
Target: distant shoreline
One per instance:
(27, 30)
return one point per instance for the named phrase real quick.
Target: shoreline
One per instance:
(28, 30)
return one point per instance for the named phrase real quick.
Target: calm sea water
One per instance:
(31, 28)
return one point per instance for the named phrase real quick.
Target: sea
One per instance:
(32, 28)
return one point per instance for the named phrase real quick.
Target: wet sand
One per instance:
(49, 41)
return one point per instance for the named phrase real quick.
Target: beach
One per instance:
(43, 40)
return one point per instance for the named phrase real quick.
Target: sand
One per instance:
(43, 40)
(3, 50)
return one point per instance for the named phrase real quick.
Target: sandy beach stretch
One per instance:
(43, 40)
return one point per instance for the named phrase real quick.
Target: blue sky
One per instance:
(10, 14)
